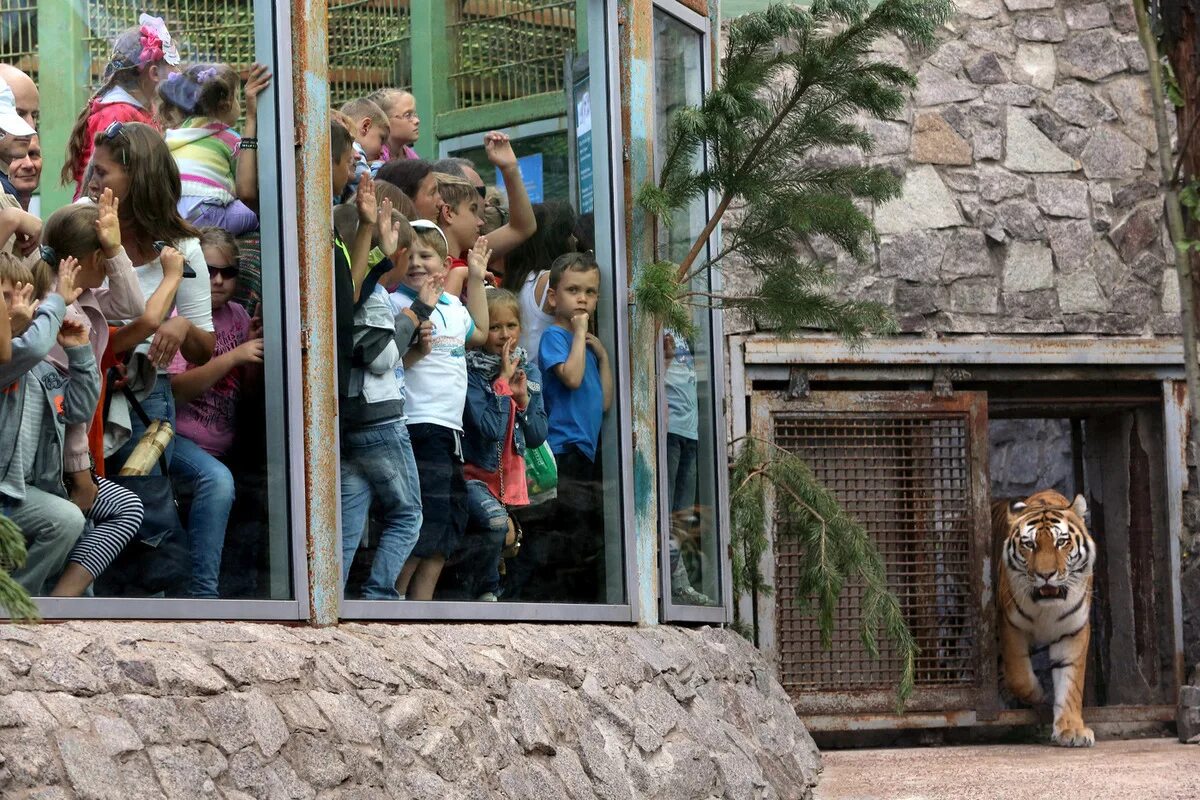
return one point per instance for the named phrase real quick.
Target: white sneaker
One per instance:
(488, 597)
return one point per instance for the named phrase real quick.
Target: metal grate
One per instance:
(18, 34)
(905, 478)
(204, 30)
(369, 48)
(508, 49)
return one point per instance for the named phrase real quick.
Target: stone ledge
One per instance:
(241, 710)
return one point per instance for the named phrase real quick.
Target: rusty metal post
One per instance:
(637, 109)
(314, 230)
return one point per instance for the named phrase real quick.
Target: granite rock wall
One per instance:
(183, 711)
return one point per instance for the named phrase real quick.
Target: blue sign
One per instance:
(531, 176)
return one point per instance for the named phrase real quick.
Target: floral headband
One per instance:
(156, 42)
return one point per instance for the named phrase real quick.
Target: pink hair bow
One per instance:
(156, 42)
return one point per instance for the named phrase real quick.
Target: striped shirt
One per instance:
(206, 152)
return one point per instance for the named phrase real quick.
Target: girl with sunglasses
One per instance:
(206, 416)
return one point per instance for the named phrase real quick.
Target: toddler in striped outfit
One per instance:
(217, 166)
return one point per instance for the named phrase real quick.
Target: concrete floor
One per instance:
(1146, 769)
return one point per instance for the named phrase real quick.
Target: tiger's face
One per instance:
(1049, 551)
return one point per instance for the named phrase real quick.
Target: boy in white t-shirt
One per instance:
(435, 390)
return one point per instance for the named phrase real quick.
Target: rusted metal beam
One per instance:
(637, 109)
(993, 350)
(318, 364)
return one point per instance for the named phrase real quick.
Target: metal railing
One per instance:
(204, 30)
(18, 34)
(369, 47)
(508, 49)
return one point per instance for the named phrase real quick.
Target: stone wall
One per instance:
(1029, 455)
(175, 711)
(1030, 202)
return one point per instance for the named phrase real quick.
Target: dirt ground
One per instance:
(1146, 769)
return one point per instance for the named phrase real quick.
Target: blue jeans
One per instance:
(212, 490)
(159, 404)
(487, 527)
(681, 483)
(377, 462)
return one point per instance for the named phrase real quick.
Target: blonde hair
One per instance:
(432, 237)
(454, 190)
(362, 108)
(14, 270)
(503, 298)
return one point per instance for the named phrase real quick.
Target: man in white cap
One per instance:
(15, 136)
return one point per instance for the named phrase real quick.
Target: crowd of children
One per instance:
(124, 308)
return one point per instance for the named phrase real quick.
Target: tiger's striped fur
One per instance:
(1045, 593)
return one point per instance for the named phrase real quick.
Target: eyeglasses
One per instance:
(227, 272)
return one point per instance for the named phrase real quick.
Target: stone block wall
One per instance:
(200, 711)
(1030, 202)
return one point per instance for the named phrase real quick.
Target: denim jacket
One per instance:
(485, 419)
(69, 398)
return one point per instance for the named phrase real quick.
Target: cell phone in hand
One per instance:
(188, 272)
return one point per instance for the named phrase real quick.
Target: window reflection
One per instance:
(143, 467)
(479, 446)
(690, 493)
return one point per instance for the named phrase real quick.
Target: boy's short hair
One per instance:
(571, 262)
(455, 191)
(14, 270)
(340, 137)
(362, 108)
(428, 234)
(345, 222)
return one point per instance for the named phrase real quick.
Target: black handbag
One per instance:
(158, 560)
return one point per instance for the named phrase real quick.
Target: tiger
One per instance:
(1045, 593)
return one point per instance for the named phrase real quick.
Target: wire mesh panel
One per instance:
(18, 34)
(508, 49)
(911, 477)
(204, 30)
(369, 47)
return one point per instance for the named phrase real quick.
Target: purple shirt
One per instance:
(210, 419)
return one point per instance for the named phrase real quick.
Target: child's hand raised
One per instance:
(68, 271)
(508, 364)
(519, 383)
(258, 80)
(364, 200)
(477, 259)
(431, 289)
(499, 150)
(108, 224)
(73, 333)
(172, 262)
(389, 228)
(22, 307)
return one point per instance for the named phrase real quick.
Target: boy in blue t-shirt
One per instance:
(577, 389)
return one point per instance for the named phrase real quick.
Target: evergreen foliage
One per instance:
(836, 549)
(13, 598)
(795, 83)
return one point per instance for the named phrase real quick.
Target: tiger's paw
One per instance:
(1073, 735)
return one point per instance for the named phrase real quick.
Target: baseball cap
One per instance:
(10, 123)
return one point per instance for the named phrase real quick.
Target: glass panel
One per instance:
(463, 477)
(174, 297)
(691, 488)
